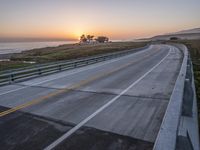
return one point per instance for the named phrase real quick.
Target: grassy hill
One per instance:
(66, 52)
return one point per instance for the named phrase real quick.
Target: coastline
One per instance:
(17, 47)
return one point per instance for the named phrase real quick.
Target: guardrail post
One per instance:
(60, 67)
(12, 77)
(75, 64)
(39, 71)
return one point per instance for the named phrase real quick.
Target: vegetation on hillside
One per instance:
(73, 51)
(194, 49)
(6, 65)
(66, 52)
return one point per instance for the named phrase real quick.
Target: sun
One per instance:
(77, 34)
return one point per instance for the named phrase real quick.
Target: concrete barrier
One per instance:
(167, 136)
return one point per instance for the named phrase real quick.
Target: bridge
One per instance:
(137, 99)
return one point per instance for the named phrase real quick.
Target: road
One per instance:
(116, 104)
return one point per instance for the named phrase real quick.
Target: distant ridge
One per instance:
(195, 30)
(184, 34)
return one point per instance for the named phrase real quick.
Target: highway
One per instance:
(117, 104)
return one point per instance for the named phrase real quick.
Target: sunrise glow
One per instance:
(116, 19)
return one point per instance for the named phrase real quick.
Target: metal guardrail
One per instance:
(15, 75)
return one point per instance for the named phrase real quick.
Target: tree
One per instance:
(102, 39)
(83, 39)
(90, 38)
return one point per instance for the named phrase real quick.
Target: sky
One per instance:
(117, 19)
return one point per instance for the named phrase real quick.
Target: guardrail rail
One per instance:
(15, 75)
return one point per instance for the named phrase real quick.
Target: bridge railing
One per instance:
(15, 75)
(169, 131)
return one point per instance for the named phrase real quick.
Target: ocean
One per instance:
(17, 47)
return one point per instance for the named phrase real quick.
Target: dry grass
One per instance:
(5, 65)
(194, 49)
(73, 51)
(66, 52)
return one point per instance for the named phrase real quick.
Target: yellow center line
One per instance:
(72, 87)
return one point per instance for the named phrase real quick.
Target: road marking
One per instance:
(79, 125)
(91, 67)
(72, 87)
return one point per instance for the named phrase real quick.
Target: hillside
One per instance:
(190, 34)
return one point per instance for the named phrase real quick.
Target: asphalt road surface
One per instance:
(112, 105)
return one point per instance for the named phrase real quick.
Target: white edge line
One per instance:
(79, 125)
(90, 67)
